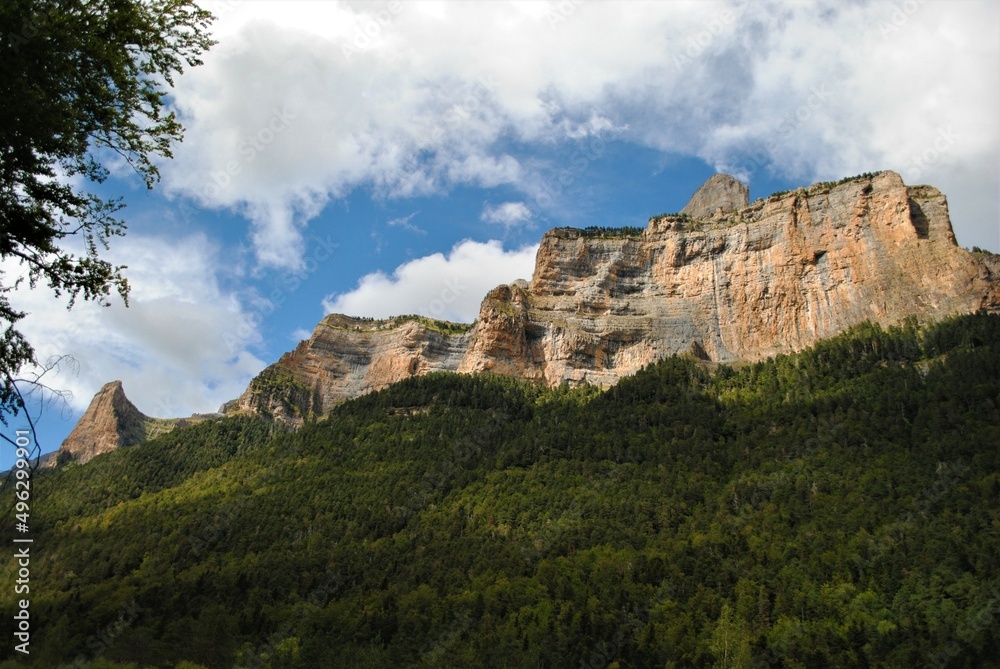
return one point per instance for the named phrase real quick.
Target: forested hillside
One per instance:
(835, 508)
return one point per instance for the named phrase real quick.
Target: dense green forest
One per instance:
(835, 508)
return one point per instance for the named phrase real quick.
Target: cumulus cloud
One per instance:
(302, 102)
(183, 345)
(818, 108)
(508, 214)
(449, 287)
(407, 102)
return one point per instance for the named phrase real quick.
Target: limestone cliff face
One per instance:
(775, 276)
(723, 281)
(110, 422)
(347, 357)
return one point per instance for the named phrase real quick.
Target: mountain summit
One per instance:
(110, 422)
(717, 197)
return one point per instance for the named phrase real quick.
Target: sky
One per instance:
(386, 158)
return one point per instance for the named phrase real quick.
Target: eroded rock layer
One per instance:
(722, 281)
(741, 284)
(347, 357)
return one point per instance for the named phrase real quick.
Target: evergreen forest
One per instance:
(839, 507)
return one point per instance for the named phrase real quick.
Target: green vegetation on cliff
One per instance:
(444, 327)
(834, 508)
(612, 233)
(821, 186)
(376, 324)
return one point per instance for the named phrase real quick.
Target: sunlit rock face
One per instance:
(720, 196)
(347, 357)
(109, 423)
(722, 281)
(744, 284)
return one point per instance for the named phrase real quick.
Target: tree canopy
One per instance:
(82, 82)
(834, 508)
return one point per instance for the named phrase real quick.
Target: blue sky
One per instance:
(385, 158)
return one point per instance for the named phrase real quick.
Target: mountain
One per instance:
(112, 422)
(724, 280)
(109, 423)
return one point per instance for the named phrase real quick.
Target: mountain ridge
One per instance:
(773, 276)
(723, 280)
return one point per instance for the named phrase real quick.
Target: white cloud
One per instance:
(447, 287)
(508, 214)
(302, 102)
(839, 90)
(404, 222)
(422, 106)
(182, 346)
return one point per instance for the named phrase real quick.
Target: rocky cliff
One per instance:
(723, 280)
(717, 197)
(346, 357)
(110, 422)
(771, 277)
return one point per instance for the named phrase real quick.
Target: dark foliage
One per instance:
(834, 508)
